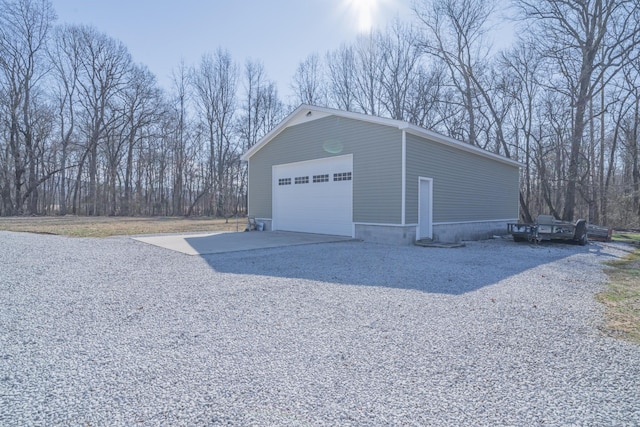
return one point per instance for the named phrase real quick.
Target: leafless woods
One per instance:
(85, 129)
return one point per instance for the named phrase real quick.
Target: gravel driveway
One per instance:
(105, 332)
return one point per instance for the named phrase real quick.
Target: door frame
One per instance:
(425, 231)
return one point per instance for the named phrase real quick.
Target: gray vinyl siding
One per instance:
(377, 164)
(466, 186)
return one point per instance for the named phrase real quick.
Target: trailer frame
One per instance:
(549, 228)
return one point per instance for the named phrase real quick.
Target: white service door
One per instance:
(425, 208)
(315, 196)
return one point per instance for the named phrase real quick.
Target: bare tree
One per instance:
(214, 83)
(341, 76)
(5, 156)
(425, 95)
(308, 82)
(261, 109)
(259, 106)
(523, 64)
(25, 27)
(628, 127)
(589, 41)
(180, 101)
(368, 73)
(400, 63)
(455, 33)
(105, 65)
(142, 107)
(65, 59)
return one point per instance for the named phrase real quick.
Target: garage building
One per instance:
(335, 172)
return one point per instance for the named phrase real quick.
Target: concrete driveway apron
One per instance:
(215, 243)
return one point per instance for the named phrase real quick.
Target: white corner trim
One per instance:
(404, 177)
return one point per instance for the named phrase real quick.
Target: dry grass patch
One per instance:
(622, 297)
(76, 226)
(629, 238)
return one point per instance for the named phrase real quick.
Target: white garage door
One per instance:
(314, 196)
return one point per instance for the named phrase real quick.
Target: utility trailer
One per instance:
(549, 228)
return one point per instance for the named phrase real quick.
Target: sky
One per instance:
(280, 33)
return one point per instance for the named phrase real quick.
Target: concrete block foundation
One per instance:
(387, 234)
(456, 232)
(445, 233)
(406, 234)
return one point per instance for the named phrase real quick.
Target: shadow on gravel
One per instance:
(433, 270)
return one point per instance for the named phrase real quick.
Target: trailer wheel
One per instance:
(580, 235)
(583, 240)
(519, 239)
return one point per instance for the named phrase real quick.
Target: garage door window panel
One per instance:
(342, 176)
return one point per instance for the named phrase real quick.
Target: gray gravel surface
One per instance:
(105, 332)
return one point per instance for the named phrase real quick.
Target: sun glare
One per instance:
(364, 11)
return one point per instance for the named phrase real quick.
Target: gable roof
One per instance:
(306, 113)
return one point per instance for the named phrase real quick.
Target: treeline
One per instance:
(86, 130)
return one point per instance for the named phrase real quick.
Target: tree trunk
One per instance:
(63, 181)
(574, 156)
(93, 172)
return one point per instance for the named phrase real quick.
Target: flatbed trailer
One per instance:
(549, 228)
